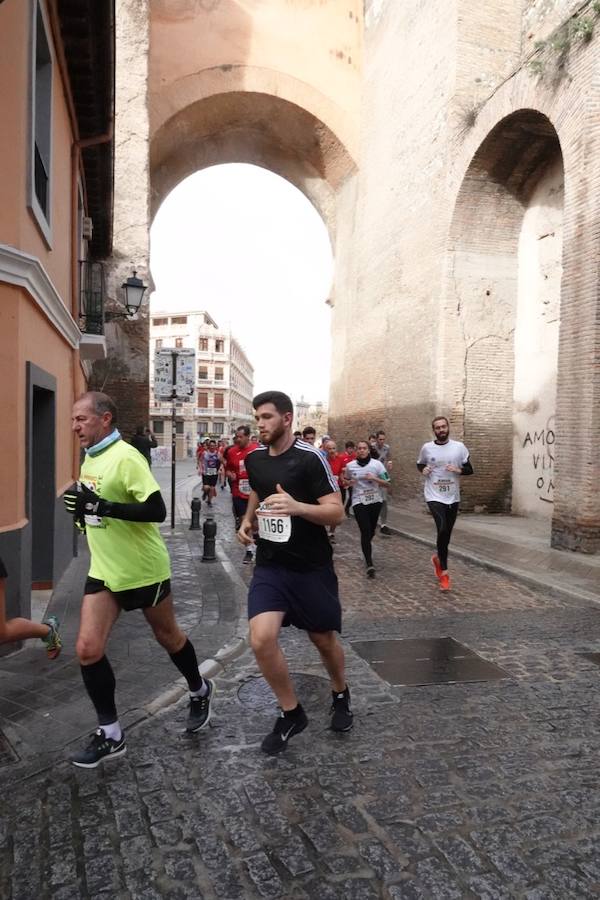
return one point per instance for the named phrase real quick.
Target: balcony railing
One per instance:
(92, 293)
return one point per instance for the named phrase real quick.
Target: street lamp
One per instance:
(134, 289)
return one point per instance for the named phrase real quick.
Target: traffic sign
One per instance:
(184, 359)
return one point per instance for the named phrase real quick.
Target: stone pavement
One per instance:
(43, 707)
(485, 790)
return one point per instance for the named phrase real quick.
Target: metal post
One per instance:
(173, 439)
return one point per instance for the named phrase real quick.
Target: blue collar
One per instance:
(104, 443)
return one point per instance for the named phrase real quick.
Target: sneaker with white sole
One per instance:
(99, 748)
(52, 641)
(342, 717)
(200, 709)
(286, 726)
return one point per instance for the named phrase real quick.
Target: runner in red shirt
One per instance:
(337, 462)
(348, 456)
(238, 478)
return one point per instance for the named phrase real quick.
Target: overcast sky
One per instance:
(250, 249)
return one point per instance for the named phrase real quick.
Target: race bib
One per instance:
(211, 471)
(244, 486)
(443, 485)
(274, 528)
(369, 497)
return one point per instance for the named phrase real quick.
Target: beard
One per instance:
(274, 434)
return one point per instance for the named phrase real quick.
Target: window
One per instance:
(203, 399)
(219, 346)
(179, 427)
(202, 373)
(158, 344)
(41, 119)
(178, 320)
(203, 344)
(202, 428)
(158, 426)
(179, 343)
(218, 401)
(218, 373)
(218, 427)
(161, 321)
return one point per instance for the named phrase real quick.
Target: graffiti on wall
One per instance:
(540, 444)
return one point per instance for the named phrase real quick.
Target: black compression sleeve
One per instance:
(466, 468)
(150, 510)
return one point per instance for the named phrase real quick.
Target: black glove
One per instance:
(82, 503)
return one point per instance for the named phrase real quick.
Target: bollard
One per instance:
(209, 530)
(196, 504)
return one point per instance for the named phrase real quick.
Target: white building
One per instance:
(224, 380)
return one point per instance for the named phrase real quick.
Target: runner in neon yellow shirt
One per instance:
(118, 503)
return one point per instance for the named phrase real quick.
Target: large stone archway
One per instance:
(500, 389)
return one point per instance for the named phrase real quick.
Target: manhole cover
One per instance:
(311, 689)
(426, 661)
(7, 754)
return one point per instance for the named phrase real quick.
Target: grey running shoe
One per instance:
(285, 728)
(52, 640)
(99, 748)
(200, 709)
(342, 717)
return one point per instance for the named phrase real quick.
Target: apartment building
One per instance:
(224, 380)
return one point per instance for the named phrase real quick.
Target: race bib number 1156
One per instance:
(274, 528)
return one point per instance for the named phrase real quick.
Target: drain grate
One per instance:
(421, 661)
(311, 689)
(7, 754)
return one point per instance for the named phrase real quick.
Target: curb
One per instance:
(516, 574)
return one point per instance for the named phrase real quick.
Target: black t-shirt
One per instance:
(302, 472)
(3, 572)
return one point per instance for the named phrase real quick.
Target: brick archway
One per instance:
(477, 378)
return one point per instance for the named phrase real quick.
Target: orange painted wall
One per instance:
(17, 224)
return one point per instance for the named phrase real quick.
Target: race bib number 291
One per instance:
(274, 528)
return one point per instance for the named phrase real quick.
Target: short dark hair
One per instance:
(297, 434)
(243, 428)
(280, 401)
(381, 431)
(440, 419)
(371, 436)
(308, 430)
(349, 444)
(101, 403)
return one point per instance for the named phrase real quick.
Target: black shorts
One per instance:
(309, 600)
(240, 505)
(136, 598)
(209, 480)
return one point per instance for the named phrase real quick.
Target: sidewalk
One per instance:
(516, 546)
(43, 705)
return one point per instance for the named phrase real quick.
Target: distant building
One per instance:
(224, 380)
(314, 414)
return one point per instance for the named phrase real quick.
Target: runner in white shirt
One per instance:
(369, 480)
(442, 462)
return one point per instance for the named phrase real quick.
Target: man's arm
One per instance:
(152, 439)
(86, 503)
(328, 510)
(245, 534)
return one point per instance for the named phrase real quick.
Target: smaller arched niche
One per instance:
(502, 313)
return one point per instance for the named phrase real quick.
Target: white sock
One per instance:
(113, 731)
(202, 692)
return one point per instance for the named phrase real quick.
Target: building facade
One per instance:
(224, 381)
(314, 414)
(56, 163)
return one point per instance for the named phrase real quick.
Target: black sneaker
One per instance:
(285, 728)
(385, 530)
(200, 709)
(248, 558)
(370, 571)
(100, 747)
(342, 717)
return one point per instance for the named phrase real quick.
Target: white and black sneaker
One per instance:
(248, 558)
(99, 748)
(286, 726)
(200, 708)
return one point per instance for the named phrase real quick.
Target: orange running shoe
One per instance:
(444, 582)
(436, 566)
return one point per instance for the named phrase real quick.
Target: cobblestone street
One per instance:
(485, 790)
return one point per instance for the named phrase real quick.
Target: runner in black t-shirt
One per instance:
(294, 497)
(22, 629)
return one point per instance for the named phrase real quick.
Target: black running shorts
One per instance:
(309, 600)
(136, 598)
(209, 480)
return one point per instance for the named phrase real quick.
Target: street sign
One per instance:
(185, 359)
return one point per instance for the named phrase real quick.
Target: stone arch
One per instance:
(484, 301)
